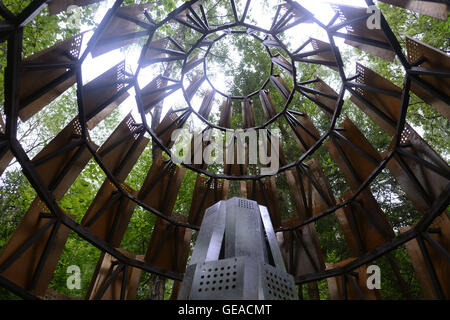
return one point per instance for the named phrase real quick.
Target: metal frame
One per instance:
(199, 23)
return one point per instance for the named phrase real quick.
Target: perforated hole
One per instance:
(245, 204)
(406, 135)
(414, 52)
(361, 78)
(279, 286)
(220, 280)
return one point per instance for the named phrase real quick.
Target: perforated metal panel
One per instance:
(230, 258)
(222, 279)
(278, 285)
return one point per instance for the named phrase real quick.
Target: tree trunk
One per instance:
(157, 287)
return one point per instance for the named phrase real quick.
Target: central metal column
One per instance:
(236, 256)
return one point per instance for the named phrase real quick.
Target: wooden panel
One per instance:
(122, 149)
(281, 86)
(321, 86)
(367, 214)
(282, 62)
(205, 195)
(267, 104)
(77, 159)
(429, 8)
(335, 284)
(304, 139)
(159, 51)
(266, 195)
(301, 250)
(121, 31)
(105, 268)
(432, 183)
(348, 13)
(440, 264)
(326, 56)
(57, 6)
(315, 204)
(99, 106)
(22, 270)
(109, 213)
(169, 245)
(361, 165)
(435, 60)
(248, 114)
(389, 105)
(161, 185)
(168, 125)
(40, 87)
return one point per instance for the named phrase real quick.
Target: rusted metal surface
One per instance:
(350, 292)
(39, 87)
(46, 248)
(161, 185)
(169, 246)
(121, 29)
(388, 105)
(122, 149)
(109, 213)
(326, 101)
(113, 86)
(265, 193)
(60, 171)
(34, 82)
(354, 166)
(308, 192)
(434, 60)
(363, 221)
(429, 8)
(379, 45)
(206, 193)
(108, 284)
(421, 184)
(300, 249)
(5, 154)
(440, 264)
